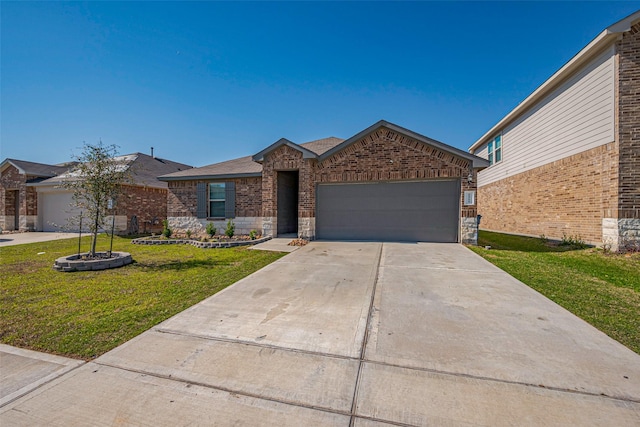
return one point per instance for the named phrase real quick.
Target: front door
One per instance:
(287, 202)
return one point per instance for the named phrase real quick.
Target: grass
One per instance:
(601, 288)
(85, 314)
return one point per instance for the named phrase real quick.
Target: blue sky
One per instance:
(204, 82)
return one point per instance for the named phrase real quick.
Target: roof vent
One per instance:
(152, 152)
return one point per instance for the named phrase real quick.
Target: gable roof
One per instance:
(605, 38)
(246, 166)
(40, 170)
(476, 162)
(306, 154)
(144, 170)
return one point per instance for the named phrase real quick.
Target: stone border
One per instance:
(198, 244)
(70, 263)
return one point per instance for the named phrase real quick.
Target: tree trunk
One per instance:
(94, 238)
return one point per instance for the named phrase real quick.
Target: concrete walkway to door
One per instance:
(362, 334)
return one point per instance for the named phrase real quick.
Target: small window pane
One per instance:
(490, 147)
(216, 209)
(216, 191)
(498, 154)
(498, 141)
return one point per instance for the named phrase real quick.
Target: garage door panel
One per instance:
(55, 211)
(404, 211)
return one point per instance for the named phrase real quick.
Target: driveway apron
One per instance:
(356, 333)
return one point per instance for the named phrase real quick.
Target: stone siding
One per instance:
(628, 48)
(198, 226)
(567, 197)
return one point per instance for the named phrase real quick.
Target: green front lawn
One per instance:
(601, 288)
(85, 314)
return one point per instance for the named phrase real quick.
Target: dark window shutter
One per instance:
(201, 191)
(230, 199)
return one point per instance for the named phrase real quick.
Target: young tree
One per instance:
(96, 179)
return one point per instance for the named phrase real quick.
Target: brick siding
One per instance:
(182, 199)
(10, 181)
(628, 49)
(569, 196)
(286, 158)
(385, 155)
(148, 204)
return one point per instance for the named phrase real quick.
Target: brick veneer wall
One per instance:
(182, 199)
(286, 158)
(385, 155)
(148, 204)
(11, 180)
(628, 49)
(569, 196)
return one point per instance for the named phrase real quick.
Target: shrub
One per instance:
(252, 234)
(166, 231)
(231, 229)
(188, 234)
(573, 241)
(211, 229)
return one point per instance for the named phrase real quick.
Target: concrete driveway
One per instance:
(11, 239)
(362, 334)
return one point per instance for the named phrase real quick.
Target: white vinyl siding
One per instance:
(575, 117)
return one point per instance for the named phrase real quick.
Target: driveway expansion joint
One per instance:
(501, 381)
(223, 389)
(365, 339)
(254, 344)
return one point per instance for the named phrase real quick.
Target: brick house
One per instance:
(18, 197)
(141, 206)
(566, 160)
(384, 183)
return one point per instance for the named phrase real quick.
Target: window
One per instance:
(216, 200)
(495, 150)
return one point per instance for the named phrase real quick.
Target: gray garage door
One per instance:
(426, 211)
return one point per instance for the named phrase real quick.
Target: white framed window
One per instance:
(495, 150)
(469, 198)
(216, 200)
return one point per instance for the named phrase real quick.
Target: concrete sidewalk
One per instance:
(363, 334)
(22, 371)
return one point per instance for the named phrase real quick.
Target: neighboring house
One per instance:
(18, 197)
(385, 183)
(566, 161)
(141, 206)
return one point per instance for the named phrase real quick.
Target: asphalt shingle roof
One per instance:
(245, 166)
(143, 168)
(39, 169)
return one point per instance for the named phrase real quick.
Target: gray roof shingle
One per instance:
(244, 166)
(41, 170)
(143, 168)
